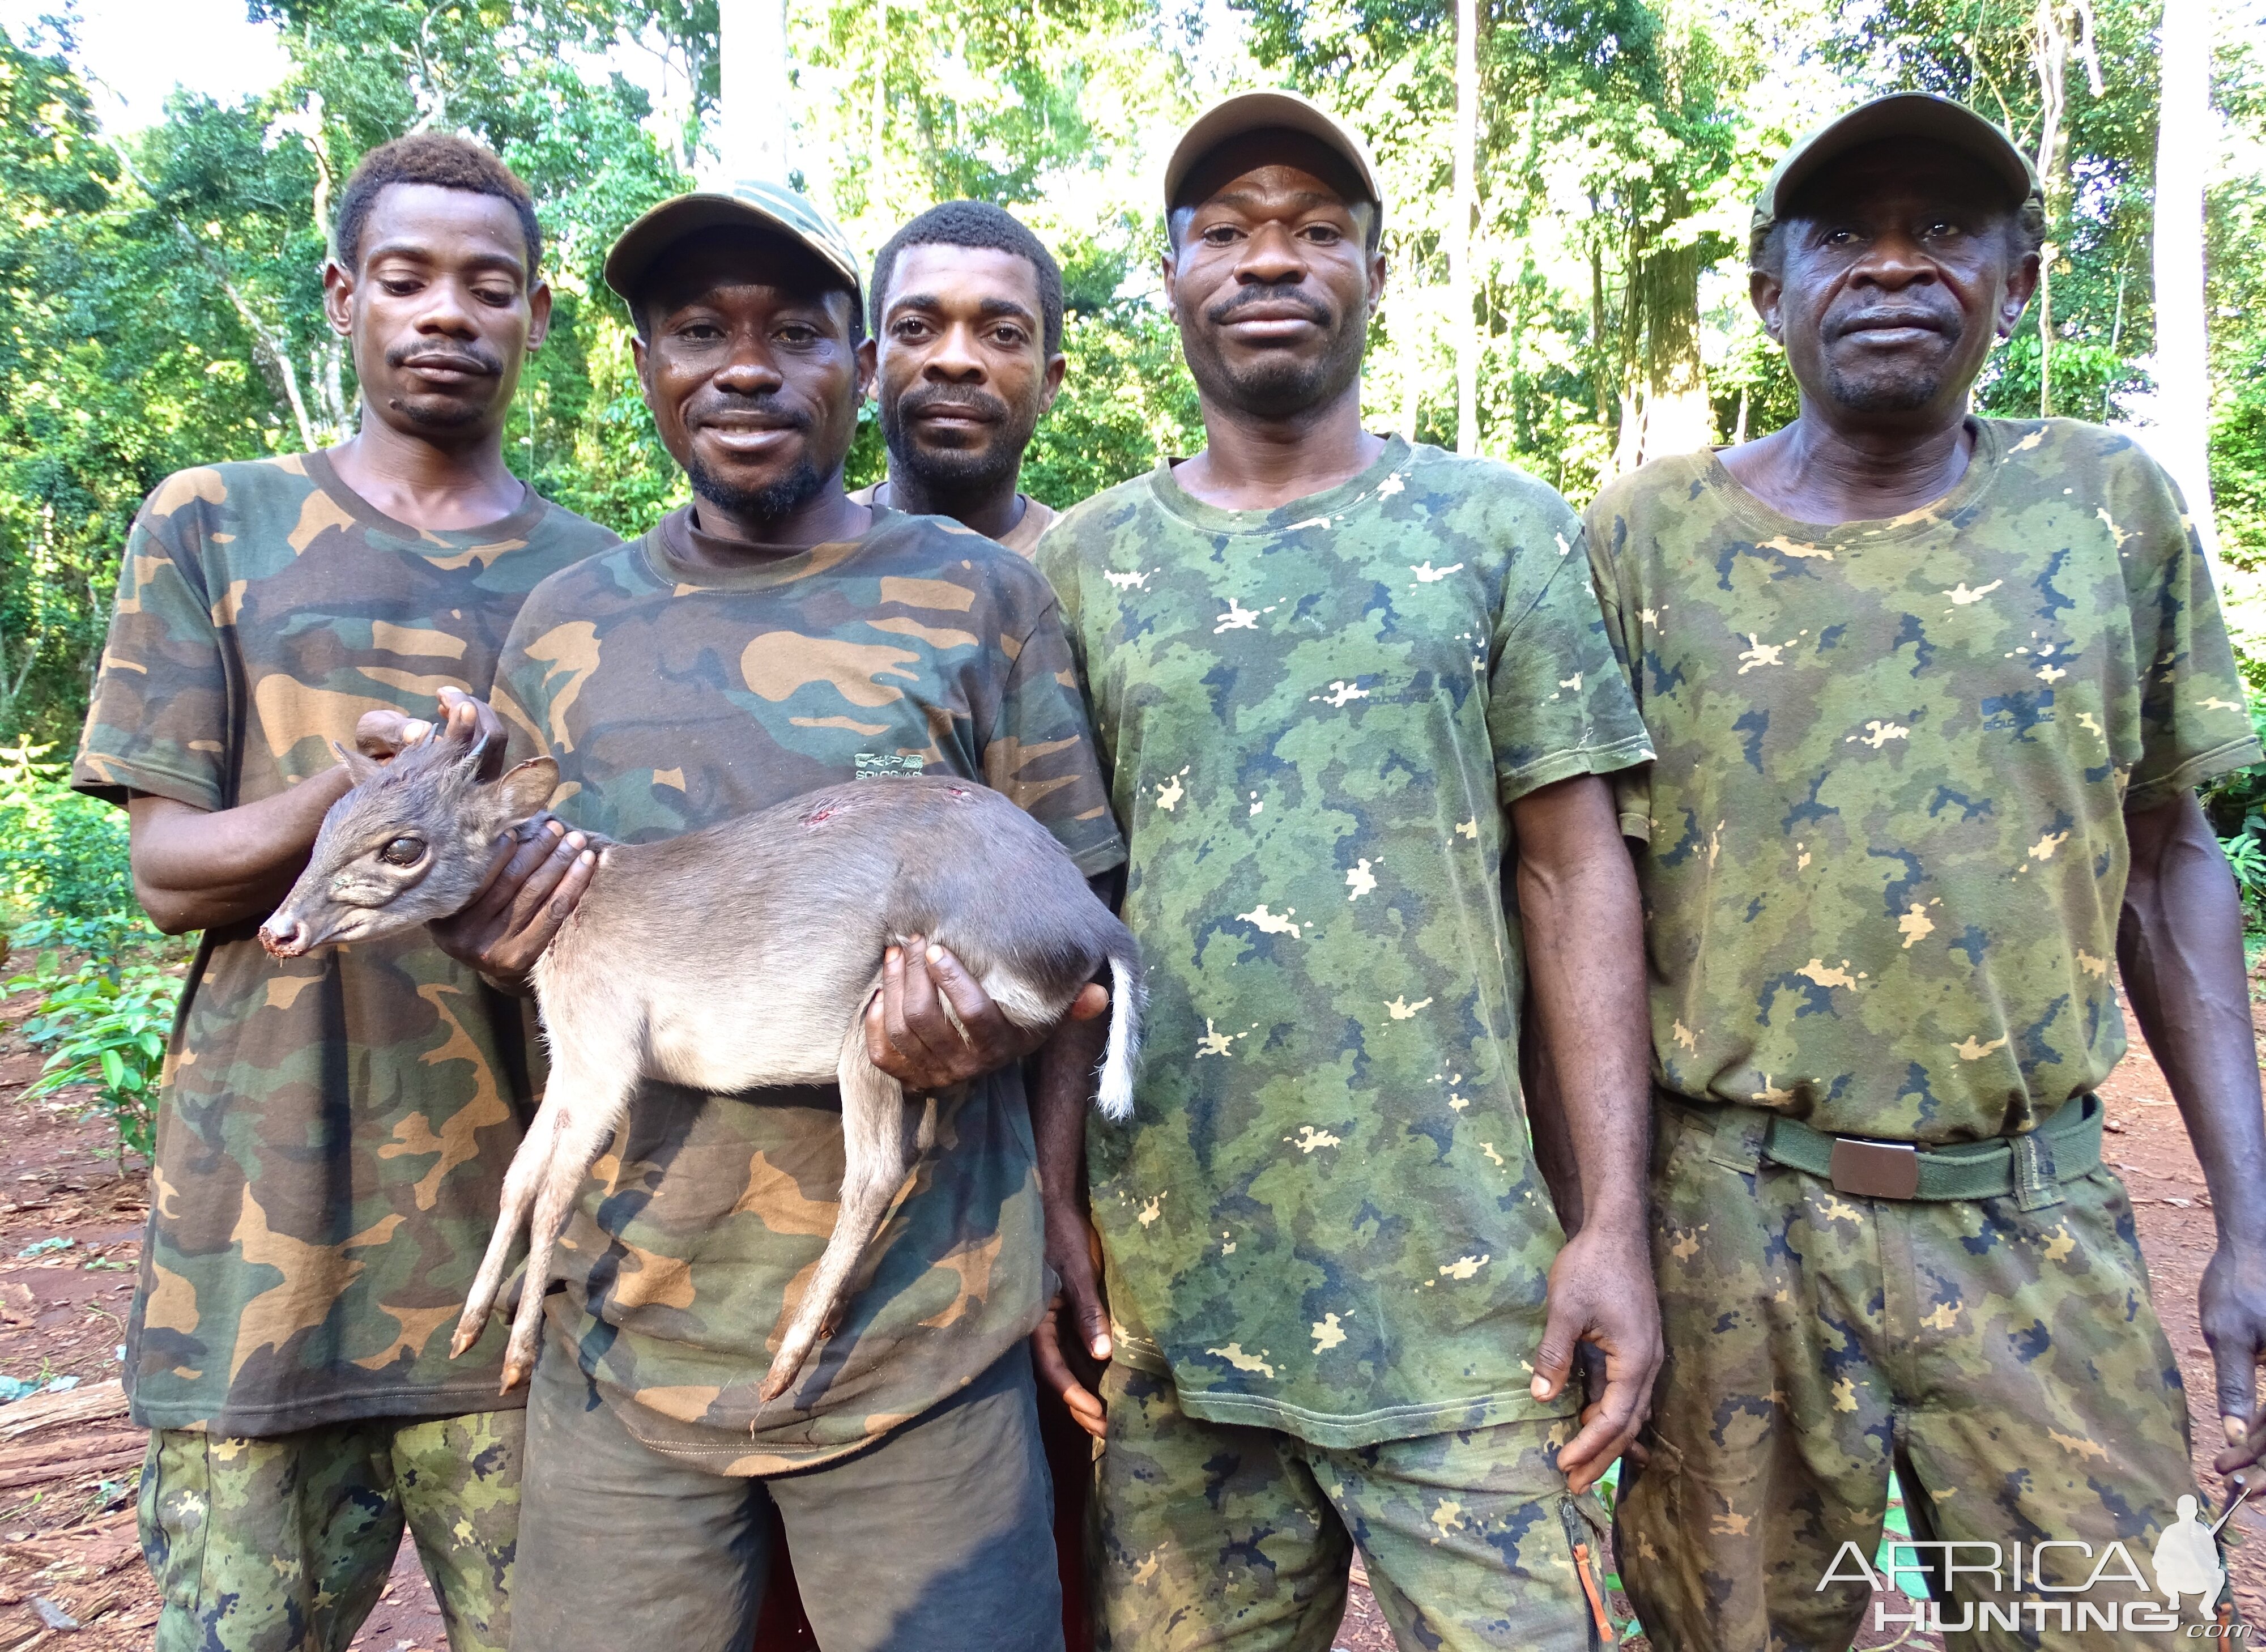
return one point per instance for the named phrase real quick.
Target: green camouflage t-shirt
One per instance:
(334, 1129)
(674, 695)
(1884, 841)
(1324, 1216)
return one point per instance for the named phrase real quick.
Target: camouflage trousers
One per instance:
(2005, 1362)
(1216, 1535)
(282, 1544)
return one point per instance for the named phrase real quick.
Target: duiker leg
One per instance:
(589, 1104)
(875, 1155)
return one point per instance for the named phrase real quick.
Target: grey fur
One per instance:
(726, 960)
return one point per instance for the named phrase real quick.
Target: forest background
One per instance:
(1568, 184)
(159, 297)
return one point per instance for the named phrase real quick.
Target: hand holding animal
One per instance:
(793, 907)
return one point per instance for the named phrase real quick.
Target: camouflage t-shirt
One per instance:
(1884, 841)
(674, 695)
(334, 1129)
(1324, 1216)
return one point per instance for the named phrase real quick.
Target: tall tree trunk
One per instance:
(2059, 28)
(1677, 416)
(2182, 151)
(1459, 232)
(753, 81)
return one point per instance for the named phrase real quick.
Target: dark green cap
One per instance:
(1908, 114)
(773, 207)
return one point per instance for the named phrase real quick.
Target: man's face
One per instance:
(440, 309)
(745, 352)
(963, 369)
(1898, 269)
(1272, 283)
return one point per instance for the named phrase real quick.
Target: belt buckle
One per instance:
(1876, 1170)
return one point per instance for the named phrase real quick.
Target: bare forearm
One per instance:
(194, 869)
(1577, 900)
(2180, 948)
(1545, 1117)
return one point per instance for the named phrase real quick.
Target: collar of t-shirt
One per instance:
(518, 525)
(1983, 461)
(681, 554)
(1330, 504)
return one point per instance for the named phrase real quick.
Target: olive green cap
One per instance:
(750, 202)
(1908, 114)
(1263, 111)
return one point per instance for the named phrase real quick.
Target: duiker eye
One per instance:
(403, 852)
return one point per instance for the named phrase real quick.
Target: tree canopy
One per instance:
(163, 294)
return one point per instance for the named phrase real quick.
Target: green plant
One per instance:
(63, 860)
(2236, 804)
(107, 1028)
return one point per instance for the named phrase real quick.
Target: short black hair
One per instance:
(443, 160)
(975, 224)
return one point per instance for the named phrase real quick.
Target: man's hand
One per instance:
(1072, 1342)
(933, 1026)
(540, 871)
(1601, 1295)
(382, 734)
(2234, 1312)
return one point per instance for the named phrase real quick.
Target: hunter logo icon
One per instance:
(2187, 1558)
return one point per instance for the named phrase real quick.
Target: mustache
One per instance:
(471, 358)
(718, 405)
(974, 400)
(1935, 318)
(1295, 297)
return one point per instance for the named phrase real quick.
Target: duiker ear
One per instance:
(363, 769)
(527, 787)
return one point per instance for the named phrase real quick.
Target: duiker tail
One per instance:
(1126, 995)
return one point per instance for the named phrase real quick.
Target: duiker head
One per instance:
(414, 840)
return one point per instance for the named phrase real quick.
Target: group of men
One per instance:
(1765, 840)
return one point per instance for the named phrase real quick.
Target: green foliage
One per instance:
(1135, 403)
(105, 1026)
(63, 869)
(2236, 805)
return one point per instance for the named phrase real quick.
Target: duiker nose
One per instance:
(284, 937)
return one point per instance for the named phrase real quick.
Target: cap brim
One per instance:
(1261, 112)
(1910, 114)
(643, 242)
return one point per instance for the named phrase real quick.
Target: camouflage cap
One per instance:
(753, 202)
(1262, 112)
(1907, 115)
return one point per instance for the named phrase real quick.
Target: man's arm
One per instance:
(197, 868)
(2179, 945)
(1578, 905)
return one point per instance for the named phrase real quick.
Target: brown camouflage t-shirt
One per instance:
(674, 695)
(334, 1129)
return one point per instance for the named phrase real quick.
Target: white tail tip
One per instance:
(1116, 1095)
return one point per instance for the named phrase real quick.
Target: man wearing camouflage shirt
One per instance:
(769, 640)
(1345, 685)
(335, 1129)
(1930, 695)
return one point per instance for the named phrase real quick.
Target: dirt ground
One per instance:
(68, 1458)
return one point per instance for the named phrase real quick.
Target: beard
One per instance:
(439, 412)
(1276, 383)
(953, 473)
(768, 503)
(1892, 390)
